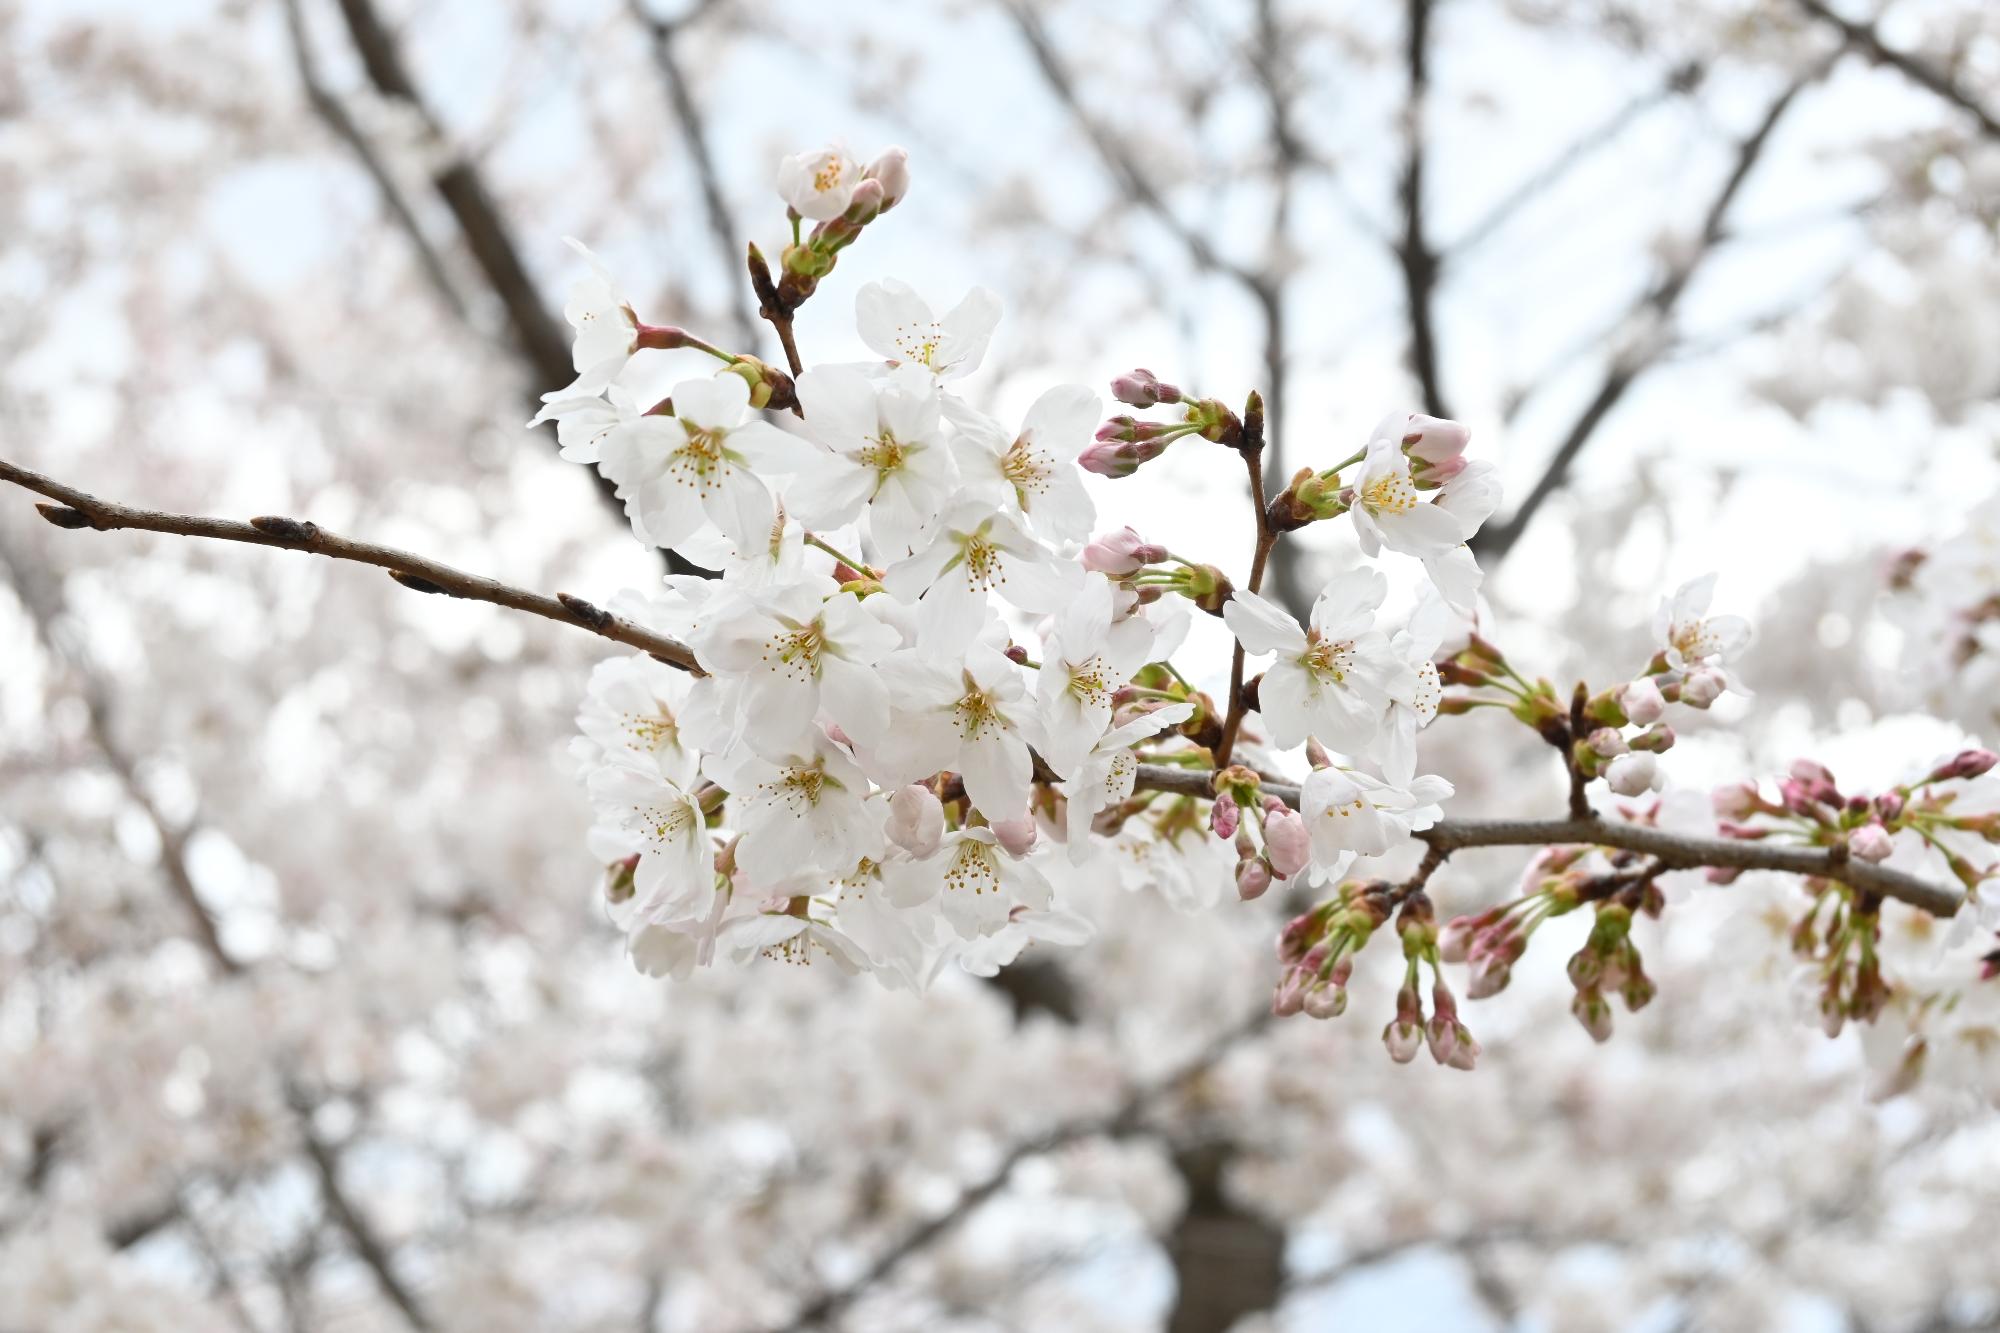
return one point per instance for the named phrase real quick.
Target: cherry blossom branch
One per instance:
(1675, 851)
(1866, 39)
(79, 509)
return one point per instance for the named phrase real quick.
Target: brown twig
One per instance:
(1492, 543)
(773, 307)
(296, 535)
(1267, 537)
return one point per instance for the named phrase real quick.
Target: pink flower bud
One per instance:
(1435, 440)
(865, 205)
(1642, 702)
(1870, 842)
(1657, 739)
(916, 820)
(1594, 1012)
(1812, 772)
(1403, 1040)
(1488, 976)
(1607, 742)
(1326, 1001)
(1121, 552)
(1455, 939)
(1889, 805)
(1223, 816)
(1287, 843)
(1117, 459)
(1965, 764)
(1141, 388)
(1316, 754)
(1017, 835)
(1703, 688)
(1737, 800)
(1633, 774)
(892, 169)
(1253, 876)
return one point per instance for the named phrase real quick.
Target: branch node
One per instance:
(65, 517)
(595, 617)
(416, 582)
(285, 529)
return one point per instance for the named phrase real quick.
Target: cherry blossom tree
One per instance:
(391, 958)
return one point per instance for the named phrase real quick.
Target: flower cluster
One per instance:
(920, 668)
(928, 696)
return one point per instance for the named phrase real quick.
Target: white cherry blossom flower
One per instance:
(819, 185)
(1388, 509)
(632, 707)
(607, 331)
(1693, 638)
(1413, 700)
(700, 465)
(800, 654)
(975, 551)
(1032, 472)
(1085, 659)
(972, 719)
(1331, 680)
(899, 327)
(885, 455)
(1106, 776)
(584, 421)
(1471, 495)
(674, 881)
(985, 956)
(1351, 814)
(803, 811)
(973, 879)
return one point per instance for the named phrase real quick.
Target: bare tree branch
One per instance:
(79, 509)
(1579, 150)
(537, 332)
(1419, 263)
(1123, 1119)
(1865, 38)
(665, 33)
(1495, 540)
(333, 112)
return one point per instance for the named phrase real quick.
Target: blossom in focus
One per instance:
(819, 185)
(899, 327)
(1691, 637)
(703, 465)
(1331, 680)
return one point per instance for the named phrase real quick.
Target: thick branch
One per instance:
(416, 572)
(333, 112)
(1864, 38)
(1123, 1119)
(1495, 540)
